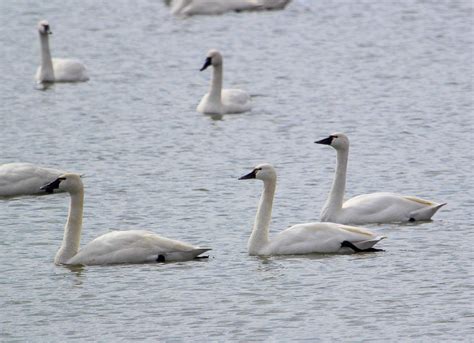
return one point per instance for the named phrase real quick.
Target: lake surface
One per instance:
(395, 77)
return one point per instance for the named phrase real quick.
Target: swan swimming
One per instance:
(25, 179)
(193, 7)
(57, 69)
(301, 238)
(381, 207)
(218, 100)
(134, 246)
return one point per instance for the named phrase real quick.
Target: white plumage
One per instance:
(194, 7)
(218, 100)
(25, 179)
(57, 69)
(134, 246)
(301, 238)
(380, 207)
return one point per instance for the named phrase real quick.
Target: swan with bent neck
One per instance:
(57, 69)
(218, 100)
(382, 207)
(301, 238)
(133, 246)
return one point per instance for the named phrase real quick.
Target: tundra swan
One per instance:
(381, 207)
(25, 179)
(193, 7)
(301, 238)
(134, 246)
(218, 100)
(57, 69)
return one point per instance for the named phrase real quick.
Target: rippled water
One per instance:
(397, 78)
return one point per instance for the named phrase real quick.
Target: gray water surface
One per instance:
(395, 77)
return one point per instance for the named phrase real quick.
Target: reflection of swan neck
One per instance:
(216, 83)
(336, 196)
(73, 228)
(259, 236)
(46, 61)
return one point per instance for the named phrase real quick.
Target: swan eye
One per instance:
(335, 136)
(256, 169)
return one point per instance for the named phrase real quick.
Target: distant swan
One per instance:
(25, 179)
(301, 238)
(218, 100)
(134, 246)
(193, 7)
(369, 208)
(57, 69)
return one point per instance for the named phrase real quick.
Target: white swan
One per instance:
(301, 238)
(25, 179)
(193, 7)
(57, 69)
(369, 208)
(218, 100)
(134, 246)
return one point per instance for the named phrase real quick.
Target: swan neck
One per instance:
(46, 60)
(259, 237)
(216, 83)
(72, 229)
(336, 196)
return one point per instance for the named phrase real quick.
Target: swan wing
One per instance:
(25, 178)
(69, 70)
(134, 246)
(235, 100)
(318, 238)
(383, 207)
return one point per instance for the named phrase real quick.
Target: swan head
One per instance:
(213, 58)
(338, 141)
(43, 28)
(264, 172)
(68, 182)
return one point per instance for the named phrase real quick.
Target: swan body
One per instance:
(301, 238)
(209, 7)
(380, 207)
(134, 246)
(57, 69)
(218, 100)
(25, 179)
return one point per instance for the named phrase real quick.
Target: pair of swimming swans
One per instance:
(218, 100)
(57, 69)
(331, 235)
(133, 246)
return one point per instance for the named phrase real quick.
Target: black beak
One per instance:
(207, 63)
(326, 141)
(48, 30)
(50, 187)
(250, 175)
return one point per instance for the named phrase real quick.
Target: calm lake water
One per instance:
(395, 77)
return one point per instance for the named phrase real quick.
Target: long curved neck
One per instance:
(336, 196)
(72, 230)
(46, 60)
(259, 237)
(216, 83)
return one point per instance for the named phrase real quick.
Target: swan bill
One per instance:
(207, 63)
(251, 175)
(50, 187)
(326, 141)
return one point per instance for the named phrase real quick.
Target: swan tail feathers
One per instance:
(174, 256)
(425, 213)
